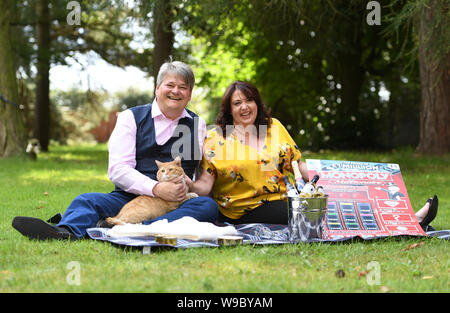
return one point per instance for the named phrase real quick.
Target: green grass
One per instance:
(46, 186)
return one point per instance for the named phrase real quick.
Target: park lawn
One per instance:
(44, 187)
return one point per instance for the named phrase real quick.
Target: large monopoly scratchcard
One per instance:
(365, 199)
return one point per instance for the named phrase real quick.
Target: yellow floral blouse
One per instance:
(247, 177)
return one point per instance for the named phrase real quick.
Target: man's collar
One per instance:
(156, 111)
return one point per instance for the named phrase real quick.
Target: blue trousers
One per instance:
(87, 209)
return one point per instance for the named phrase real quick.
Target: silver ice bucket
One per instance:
(306, 218)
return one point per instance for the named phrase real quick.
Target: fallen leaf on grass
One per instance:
(363, 274)
(384, 289)
(414, 245)
(427, 277)
(339, 273)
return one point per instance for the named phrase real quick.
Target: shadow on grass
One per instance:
(81, 155)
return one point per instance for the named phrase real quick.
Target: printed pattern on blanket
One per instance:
(256, 234)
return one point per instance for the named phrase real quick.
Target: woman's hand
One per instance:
(189, 182)
(203, 184)
(303, 170)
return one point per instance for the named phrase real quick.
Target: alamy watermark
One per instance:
(264, 148)
(373, 276)
(73, 278)
(74, 16)
(374, 16)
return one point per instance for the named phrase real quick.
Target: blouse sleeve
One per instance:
(288, 143)
(207, 162)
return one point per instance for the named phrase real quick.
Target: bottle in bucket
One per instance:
(307, 213)
(291, 191)
(310, 188)
(299, 182)
(319, 192)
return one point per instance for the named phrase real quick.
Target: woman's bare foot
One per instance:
(420, 215)
(427, 213)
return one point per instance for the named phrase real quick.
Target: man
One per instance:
(142, 135)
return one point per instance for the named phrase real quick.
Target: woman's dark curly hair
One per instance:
(251, 92)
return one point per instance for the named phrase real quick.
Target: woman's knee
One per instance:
(208, 206)
(208, 203)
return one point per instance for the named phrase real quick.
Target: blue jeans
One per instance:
(87, 209)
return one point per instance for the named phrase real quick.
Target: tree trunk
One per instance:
(12, 129)
(163, 34)
(348, 118)
(350, 74)
(435, 89)
(41, 127)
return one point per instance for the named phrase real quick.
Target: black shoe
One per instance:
(432, 212)
(35, 228)
(104, 224)
(428, 228)
(55, 219)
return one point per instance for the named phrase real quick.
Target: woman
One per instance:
(245, 158)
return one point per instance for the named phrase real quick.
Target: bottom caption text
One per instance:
(225, 302)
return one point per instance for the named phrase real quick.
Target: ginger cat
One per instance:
(143, 208)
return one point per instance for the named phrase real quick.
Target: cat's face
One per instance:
(168, 171)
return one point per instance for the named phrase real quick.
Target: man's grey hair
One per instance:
(177, 68)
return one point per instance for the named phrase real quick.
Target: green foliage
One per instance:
(318, 64)
(217, 69)
(75, 112)
(104, 28)
(409, 17)
(131, 98)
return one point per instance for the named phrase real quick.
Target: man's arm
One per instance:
(122, 163)
(122, 158)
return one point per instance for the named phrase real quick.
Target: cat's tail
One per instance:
(114, 221)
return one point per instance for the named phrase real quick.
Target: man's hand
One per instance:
(189, 182)
(171, 191)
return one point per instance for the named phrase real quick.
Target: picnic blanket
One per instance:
(186, 227)
(254, 234)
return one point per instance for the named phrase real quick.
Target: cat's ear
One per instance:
(177, 160)
(158, 163)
